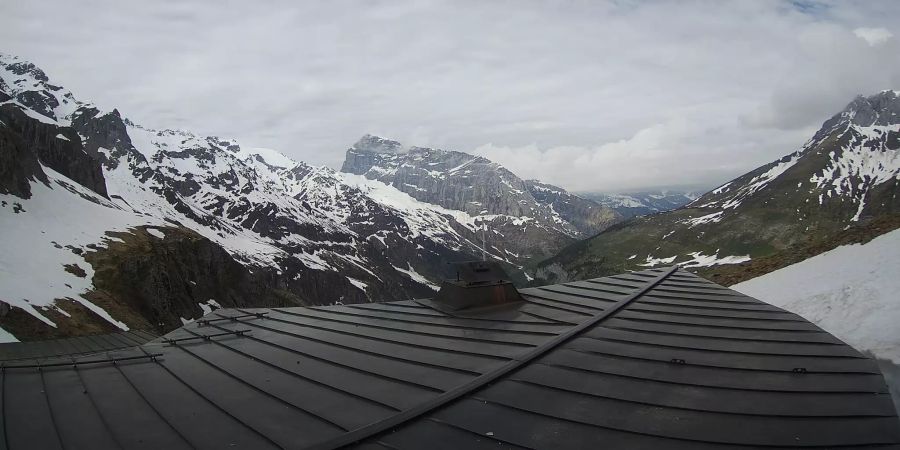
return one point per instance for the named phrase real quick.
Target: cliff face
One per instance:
(58, 148)
(526, 218)
(584, 214)
(19, 166)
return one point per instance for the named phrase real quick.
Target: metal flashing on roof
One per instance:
(654, 359)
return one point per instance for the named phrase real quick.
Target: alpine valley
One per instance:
(642, 203)
(107, 224)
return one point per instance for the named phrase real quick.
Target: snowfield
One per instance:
(852, 292)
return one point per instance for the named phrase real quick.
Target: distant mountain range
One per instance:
(641, 203)
(845, 176)
(109, 224)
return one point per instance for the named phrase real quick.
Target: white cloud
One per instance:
(873, 36)
(633, 93)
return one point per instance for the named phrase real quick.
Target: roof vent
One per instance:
(477, 284)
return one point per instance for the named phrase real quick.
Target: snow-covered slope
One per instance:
(38, 243)
(851, 292)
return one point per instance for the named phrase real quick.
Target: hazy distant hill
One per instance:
(641, 203)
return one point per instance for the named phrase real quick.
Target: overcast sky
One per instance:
(589, 95)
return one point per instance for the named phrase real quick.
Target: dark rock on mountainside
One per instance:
(846, 175)
(581, 212)
(58, 148)
(19, 166)
(104, 136)
(140, 277)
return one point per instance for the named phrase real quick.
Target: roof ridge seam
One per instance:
(412, 413)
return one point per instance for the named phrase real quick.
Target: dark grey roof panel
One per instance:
(560, 302)
(683, 424)
(131, 419)
(733, 378)
(79, 423)
(724, 359)
(538, 430)
(601, 286)
(28, 418)
(687, 317)
(703, 398)
(660, 325)
(719, 344)
(440, 435)
(181, 402)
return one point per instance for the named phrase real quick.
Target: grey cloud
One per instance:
(588, 95)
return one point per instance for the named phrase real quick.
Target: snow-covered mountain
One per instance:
(641, 203)
(847, 174)
(525, 219)
(109, 223)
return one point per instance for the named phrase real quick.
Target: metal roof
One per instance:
(82, 345)
(652, 359)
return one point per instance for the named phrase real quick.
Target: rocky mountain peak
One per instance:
(527, 218)
(880, 109)
(376, 144)
(30, 87)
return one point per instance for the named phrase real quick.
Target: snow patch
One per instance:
(6, 336)
(209, 306)
(418, 278)
(698, 259)
(156, 233)
(709, 218)
(271, 157)
(359, 284)
(850, 291)
(651, 261)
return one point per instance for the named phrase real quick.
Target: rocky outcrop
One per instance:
(104, 136)
(583, 214)
(143, 278)
(454, 180)
(57, 147)
(19, 166)
(525, 219)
